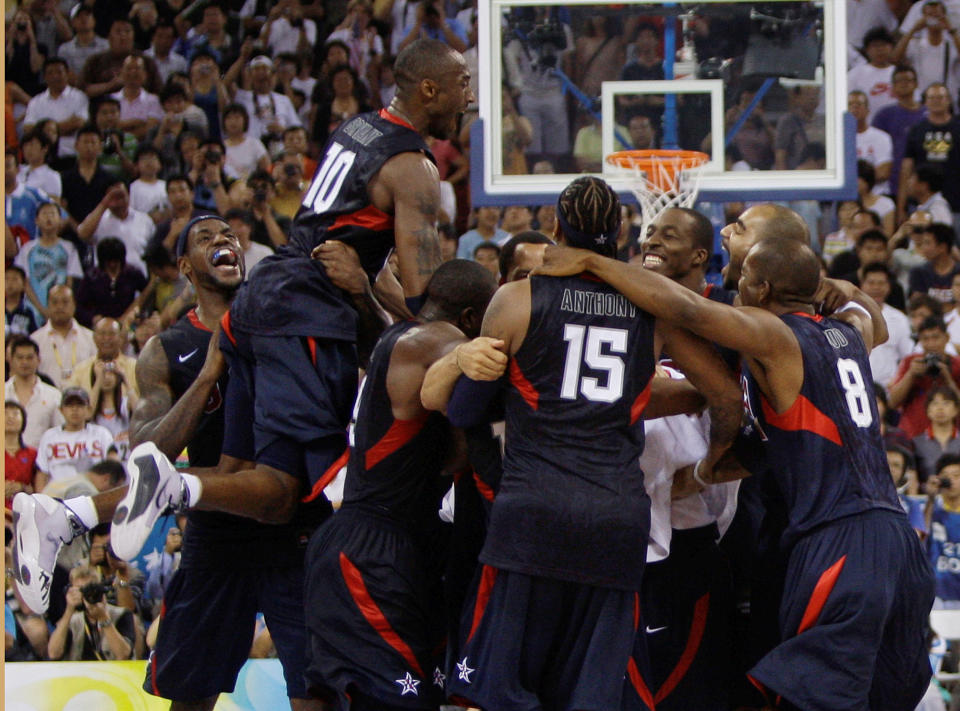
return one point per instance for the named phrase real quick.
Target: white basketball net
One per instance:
(667, 182)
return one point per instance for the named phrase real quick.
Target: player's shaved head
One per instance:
(423, 59)
(789, 266)
(456, 286)
(780, 222)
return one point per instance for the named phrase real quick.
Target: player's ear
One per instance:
(429, 89)
(184, 265)
(700, 256)
(470, 321)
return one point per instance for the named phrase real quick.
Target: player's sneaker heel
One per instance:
(154, 487)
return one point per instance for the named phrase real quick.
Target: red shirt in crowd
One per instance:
(19, 467)
(913, 417)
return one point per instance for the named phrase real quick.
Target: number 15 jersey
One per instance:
(572, 504)
(826, 451)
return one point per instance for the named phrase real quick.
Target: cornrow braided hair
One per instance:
(590, 205)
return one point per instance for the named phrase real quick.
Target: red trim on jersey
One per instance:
(636, 678)
(393, 118)
(399, 434)
(700, 610)
(640, 404)
(195, 320)
(485, 491)
(225, 325)
(487, 578)
(369, 218)
(706, 291)
(312, 346)
(373, 614)
(813, 317)
(324, 481)
(760, 687)
(520, 382)
(590, 277)
(804, 416)
(636, 611)
(821, 591)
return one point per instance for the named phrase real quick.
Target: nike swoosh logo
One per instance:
(188, 356)
(651, 630)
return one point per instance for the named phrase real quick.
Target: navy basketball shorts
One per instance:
(853, 619)
(686, 601)
(374, 614)
(207, 622)
(535, 643)
(300, 392)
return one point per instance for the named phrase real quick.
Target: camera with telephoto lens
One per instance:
(212, 156)
(932, 361)
(94, 592)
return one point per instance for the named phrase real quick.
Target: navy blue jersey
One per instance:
(572, 505)
(826, 450)
(213, 538)
(944, 551)
(288, 293)
(395, 464)
(185, 345)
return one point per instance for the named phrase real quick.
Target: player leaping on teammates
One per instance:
(853, 615)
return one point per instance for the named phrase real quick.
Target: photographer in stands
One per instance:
(91, 628)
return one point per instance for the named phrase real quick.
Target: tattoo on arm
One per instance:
(428, 249)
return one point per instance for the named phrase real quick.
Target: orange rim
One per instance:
(647, 158)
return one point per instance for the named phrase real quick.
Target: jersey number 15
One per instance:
(595, 337)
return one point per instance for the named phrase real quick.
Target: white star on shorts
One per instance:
(439, 678)
(408, 685)
(600, 240)
(464, 671)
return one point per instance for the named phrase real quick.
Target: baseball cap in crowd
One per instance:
(75, 394)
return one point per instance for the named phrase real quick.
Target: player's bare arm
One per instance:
(412, 355)
(157, 418)
(413, 182)
(508, 315)
(835, 293)
(479, 359)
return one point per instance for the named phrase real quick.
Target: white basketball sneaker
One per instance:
(41, 525)
(155, 487)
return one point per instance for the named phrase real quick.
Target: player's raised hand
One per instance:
(482, 358)
(833, 294)
(563, 261)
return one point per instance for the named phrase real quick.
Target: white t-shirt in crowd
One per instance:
(63, 454)
(874, 146)
(43, 177)
(147, 197)
(255, 254)
(71, 102)
(876, 83)
(929, 62)
(242, 159)
(885, 358)
(135, 232)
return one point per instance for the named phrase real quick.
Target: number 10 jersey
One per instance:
(572, 504)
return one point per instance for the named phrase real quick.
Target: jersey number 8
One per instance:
(858, 399)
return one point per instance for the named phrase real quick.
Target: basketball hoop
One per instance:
(661, 179)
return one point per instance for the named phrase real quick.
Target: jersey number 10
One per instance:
(595, 337)
(329, 178)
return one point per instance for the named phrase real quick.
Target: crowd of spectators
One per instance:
(125, 119)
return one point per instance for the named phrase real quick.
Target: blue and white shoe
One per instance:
(155, 487)
(41, 525)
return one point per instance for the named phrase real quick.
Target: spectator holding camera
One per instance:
(91, 628)
(209, 180)
(286, 29)
(119, 147)
(944, 541)
(110, 339)
(290, 185)
(270, 111)
(432, 22)
(269, 227)
(122, 581)
(920, 373)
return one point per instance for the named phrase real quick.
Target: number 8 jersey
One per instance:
(826, 450)
(572, 504)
